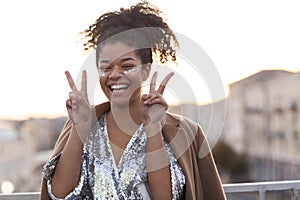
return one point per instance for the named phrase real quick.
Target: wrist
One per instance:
(153, 128)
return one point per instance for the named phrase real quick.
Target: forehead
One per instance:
(115, 51)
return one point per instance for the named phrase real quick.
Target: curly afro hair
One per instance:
(140, 26)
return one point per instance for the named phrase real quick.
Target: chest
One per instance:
(118, 141)
(127, 178)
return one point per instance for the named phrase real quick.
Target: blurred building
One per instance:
(24, 148)
(263, 123)
(260, 120)
(42, 133)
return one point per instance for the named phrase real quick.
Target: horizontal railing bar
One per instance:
(262, 186)
(21, 196)
(292, 185)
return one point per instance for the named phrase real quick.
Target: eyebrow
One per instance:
(122, 59)
(127, 59)
(103, 61)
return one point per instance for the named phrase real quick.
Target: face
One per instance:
(121, 73)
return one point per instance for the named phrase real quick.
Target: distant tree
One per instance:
(227, 159)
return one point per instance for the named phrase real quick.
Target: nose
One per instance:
(115, 73)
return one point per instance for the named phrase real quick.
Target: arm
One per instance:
(50, 167)
(158, 163)
(68, 168)
(158, 167)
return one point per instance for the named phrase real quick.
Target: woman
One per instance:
(129, 147)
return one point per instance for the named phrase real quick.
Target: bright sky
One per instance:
(38, 43)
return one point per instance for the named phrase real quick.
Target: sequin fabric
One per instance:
(101, 178)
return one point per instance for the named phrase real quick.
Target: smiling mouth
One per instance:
(119, 88)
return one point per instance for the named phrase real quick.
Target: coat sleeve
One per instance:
(61, 141)
(194, 155)
(63, 138)
(210, 180)
(82, 188)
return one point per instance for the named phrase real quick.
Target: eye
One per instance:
(105, 68)
(127, 66)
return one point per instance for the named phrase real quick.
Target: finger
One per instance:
(70, 81)
(158, 103)
(151, 97)
(163, 84)
(69, 109)
(69, 104)
(73, 96)
(148, 98)
(153, 82)
(70, 114)
(84, 82)
(156, 100)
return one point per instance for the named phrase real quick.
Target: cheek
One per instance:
(137, 81)
(102, 84)
(136, 84)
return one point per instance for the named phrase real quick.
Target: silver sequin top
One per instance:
(100, 177)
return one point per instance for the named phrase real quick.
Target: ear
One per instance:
(146, 71)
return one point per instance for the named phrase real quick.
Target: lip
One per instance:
(120, 92)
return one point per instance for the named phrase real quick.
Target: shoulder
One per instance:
(185, 126)
(180, 120)
(192, 133)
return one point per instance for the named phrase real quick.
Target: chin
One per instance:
(126, 100)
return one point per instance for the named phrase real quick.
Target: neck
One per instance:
(128, 118)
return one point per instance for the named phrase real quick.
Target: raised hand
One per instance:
(155, 106)
(78, 107)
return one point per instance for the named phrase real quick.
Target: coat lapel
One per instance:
(179, 138)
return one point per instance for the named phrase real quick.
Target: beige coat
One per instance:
(190, 146)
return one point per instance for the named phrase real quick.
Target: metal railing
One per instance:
(261, 188)
(21, 196)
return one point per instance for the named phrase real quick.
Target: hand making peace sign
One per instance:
(78, 107)
(155, 105)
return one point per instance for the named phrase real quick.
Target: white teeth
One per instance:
(118, 87)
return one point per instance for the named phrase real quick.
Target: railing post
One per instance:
(295, 194)
(261, 194)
